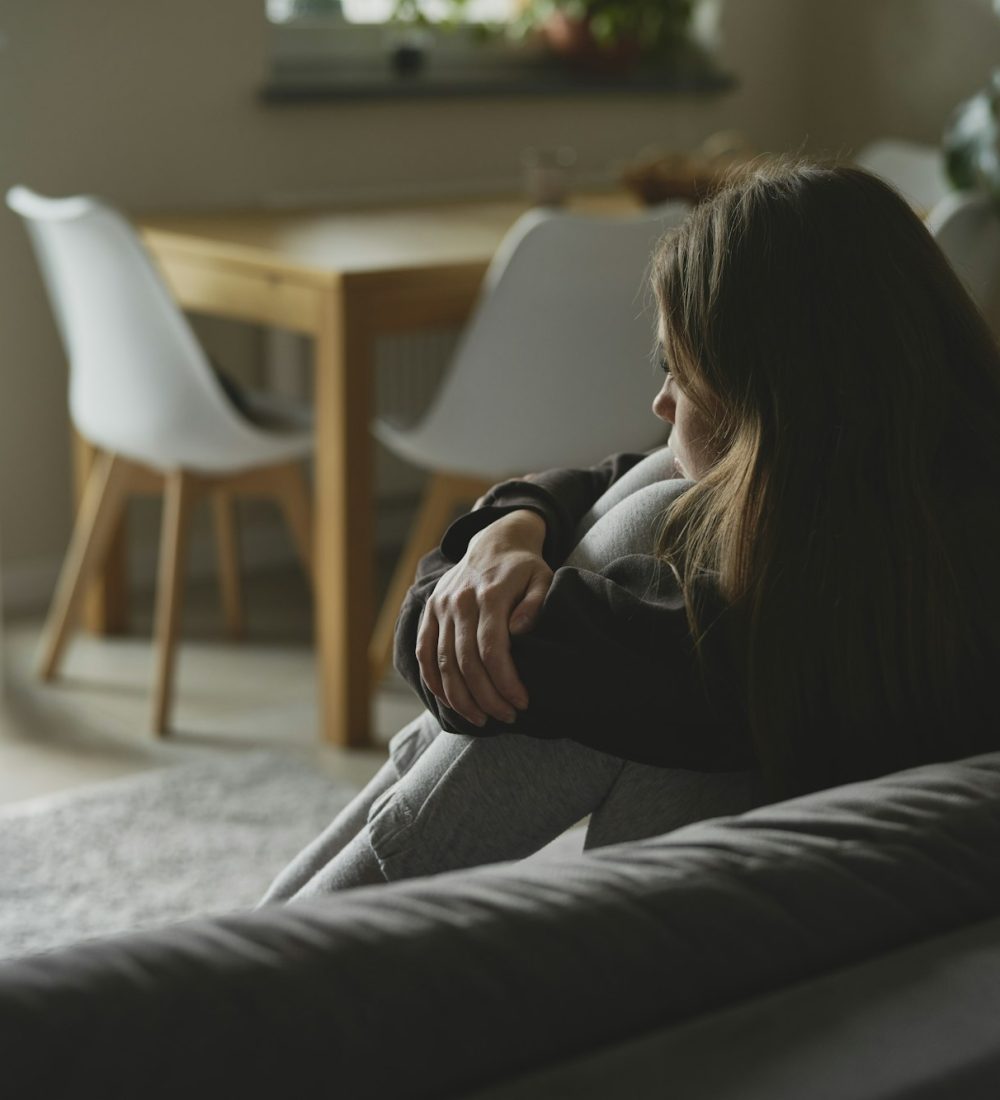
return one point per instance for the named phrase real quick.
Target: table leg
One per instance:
(105, 608)
(344, 519)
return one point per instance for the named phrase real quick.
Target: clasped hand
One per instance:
(463, 643)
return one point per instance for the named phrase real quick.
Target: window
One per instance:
(381, 11)
(477, 11)
(354, 48)
(372, 49)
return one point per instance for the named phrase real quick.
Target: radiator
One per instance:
(408, 370)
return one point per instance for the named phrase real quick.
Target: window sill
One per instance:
(378, 82)
(317, 62)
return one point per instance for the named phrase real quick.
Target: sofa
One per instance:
(845, 944)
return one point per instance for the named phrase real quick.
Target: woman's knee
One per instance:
(472, 800)
(649, 801)
(412, 741)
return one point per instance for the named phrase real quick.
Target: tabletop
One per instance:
(361, 239)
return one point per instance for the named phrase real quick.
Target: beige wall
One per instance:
(878, 67)
(154, 105)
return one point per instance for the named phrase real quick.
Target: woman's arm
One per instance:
(489, 580)
(471, 610)
(610, 663)
(560, 497)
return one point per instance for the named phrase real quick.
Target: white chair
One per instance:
(916, 171)
(143, 394)
(554, 369)
(966, 227)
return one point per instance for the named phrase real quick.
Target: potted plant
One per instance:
(412, 11)
(409, 47)
(416, 29)
(610, 35)
(601, 35)
(972, 142)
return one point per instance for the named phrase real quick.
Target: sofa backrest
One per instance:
(439, 986)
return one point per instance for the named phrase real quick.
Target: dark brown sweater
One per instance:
(610, 661)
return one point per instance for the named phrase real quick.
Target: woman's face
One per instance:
(691, 439)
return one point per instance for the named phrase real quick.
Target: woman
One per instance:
(802, 592)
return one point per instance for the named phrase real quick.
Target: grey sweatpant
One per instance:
(445, 801)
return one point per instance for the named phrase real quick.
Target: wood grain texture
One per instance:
(105, 608)
(344, 519)
(97, 525)
(178, 501)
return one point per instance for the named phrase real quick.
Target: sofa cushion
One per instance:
(441, 985)
(919, 1022)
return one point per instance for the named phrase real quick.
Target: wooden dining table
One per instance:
(344, 277)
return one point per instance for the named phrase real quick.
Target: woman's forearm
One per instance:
(559, 497)
(522, 529)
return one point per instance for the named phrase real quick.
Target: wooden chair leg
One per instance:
(227, 547)
(178, 500)
(105, 605)
(442, 496)
(97, 522)
(295, 500)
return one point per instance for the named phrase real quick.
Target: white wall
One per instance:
(154, 104)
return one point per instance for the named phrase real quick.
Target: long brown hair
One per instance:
(853, 385)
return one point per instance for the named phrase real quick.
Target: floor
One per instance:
(92, 724)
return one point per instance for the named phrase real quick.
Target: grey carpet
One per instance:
(138, 852)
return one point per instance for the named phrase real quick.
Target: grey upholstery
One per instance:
(441, 986)
(919, 1023)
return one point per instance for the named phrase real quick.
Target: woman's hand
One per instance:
(497, 589)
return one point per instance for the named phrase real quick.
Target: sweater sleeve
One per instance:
(561, 497)
(610, 663)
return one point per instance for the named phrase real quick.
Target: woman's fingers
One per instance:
(476, 677)
(456, 691)
(450, 652)
(427, 652)
(463, 644)
(493, 645)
